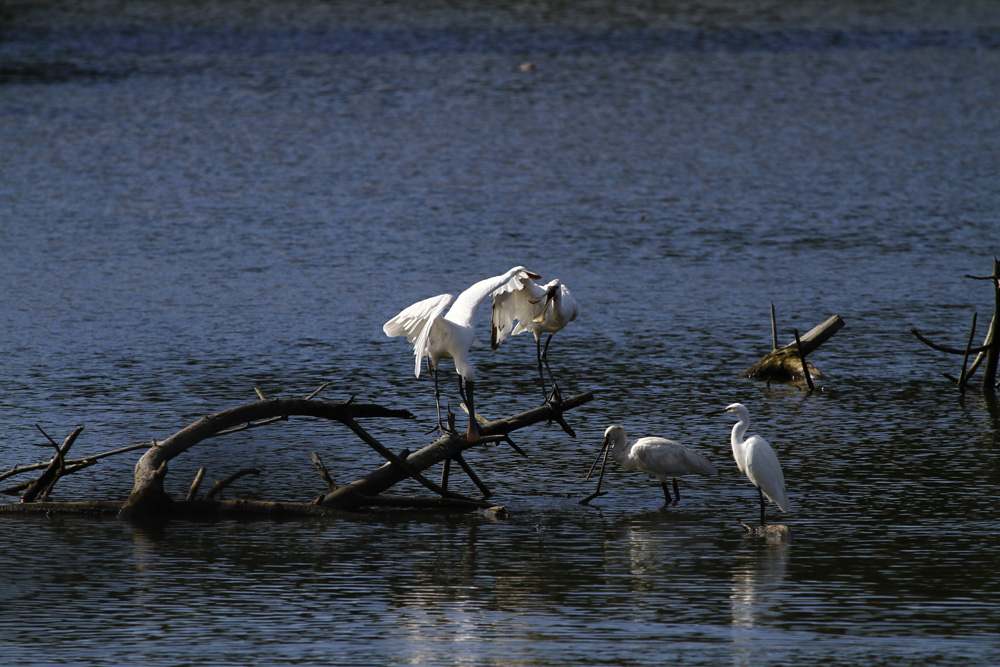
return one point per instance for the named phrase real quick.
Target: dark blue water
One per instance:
(197, 198)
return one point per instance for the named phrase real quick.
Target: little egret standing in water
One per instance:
(757, 461)
(437, 334)
(538, 309)
(659, 457)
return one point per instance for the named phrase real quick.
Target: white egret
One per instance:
(755, 458)
(437, 334)
(539, 309)
(659, 457)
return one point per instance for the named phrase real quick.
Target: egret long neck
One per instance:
(736, 440)
(464, 308)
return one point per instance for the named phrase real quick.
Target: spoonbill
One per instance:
(755, 458)
(436, 334)
(659, 457)
(539, 309)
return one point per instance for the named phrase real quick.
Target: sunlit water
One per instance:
(197, 198)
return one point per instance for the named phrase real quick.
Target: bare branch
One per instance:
(193, 491)
(323, 472)
(321, 388)
(44, 482)
(219, 486)
(944, 348)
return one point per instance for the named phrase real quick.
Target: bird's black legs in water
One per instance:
(666, 492)
(761, 505)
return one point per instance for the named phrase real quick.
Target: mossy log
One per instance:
(785, 364)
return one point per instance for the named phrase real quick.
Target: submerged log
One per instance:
(785, 364)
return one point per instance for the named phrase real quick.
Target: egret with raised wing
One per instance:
(539, 309)
(438, 331)
(756, 459)
(661, 458)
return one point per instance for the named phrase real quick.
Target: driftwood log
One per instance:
(788, 363)
(987, 354)
(148, 498)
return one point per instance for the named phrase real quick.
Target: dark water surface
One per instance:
(197, 198)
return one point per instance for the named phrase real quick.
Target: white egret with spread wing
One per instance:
(539, 309)
(437, 334)
(662, 458)
(756, 459)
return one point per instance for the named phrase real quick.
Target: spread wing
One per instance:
(510, 304)
(416, 322)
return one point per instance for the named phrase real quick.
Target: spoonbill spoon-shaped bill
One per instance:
(441, 327)
(661, 458)
(540, 309)
(756, 459)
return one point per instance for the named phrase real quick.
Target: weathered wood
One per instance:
(193, 491)
(988, 352)
(149, 499)
(352, 495)
(992, 339)
(47, 478)
(73, 464)
(788, 364)
(802, 358)
(221, 485)
(963, 376)
(323, 472)
(148, 496)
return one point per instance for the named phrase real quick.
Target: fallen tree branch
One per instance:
(323, 472)
(219, 486)
(148, 497)
(72, 465)
(52, 472)
(944, 348)
(352, 496)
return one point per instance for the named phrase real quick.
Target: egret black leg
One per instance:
(666, 492)
(545, 360)
(437, 395)
(541, 375)
(677, 491)
(762, 504)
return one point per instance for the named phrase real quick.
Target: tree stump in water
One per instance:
(788, 364)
